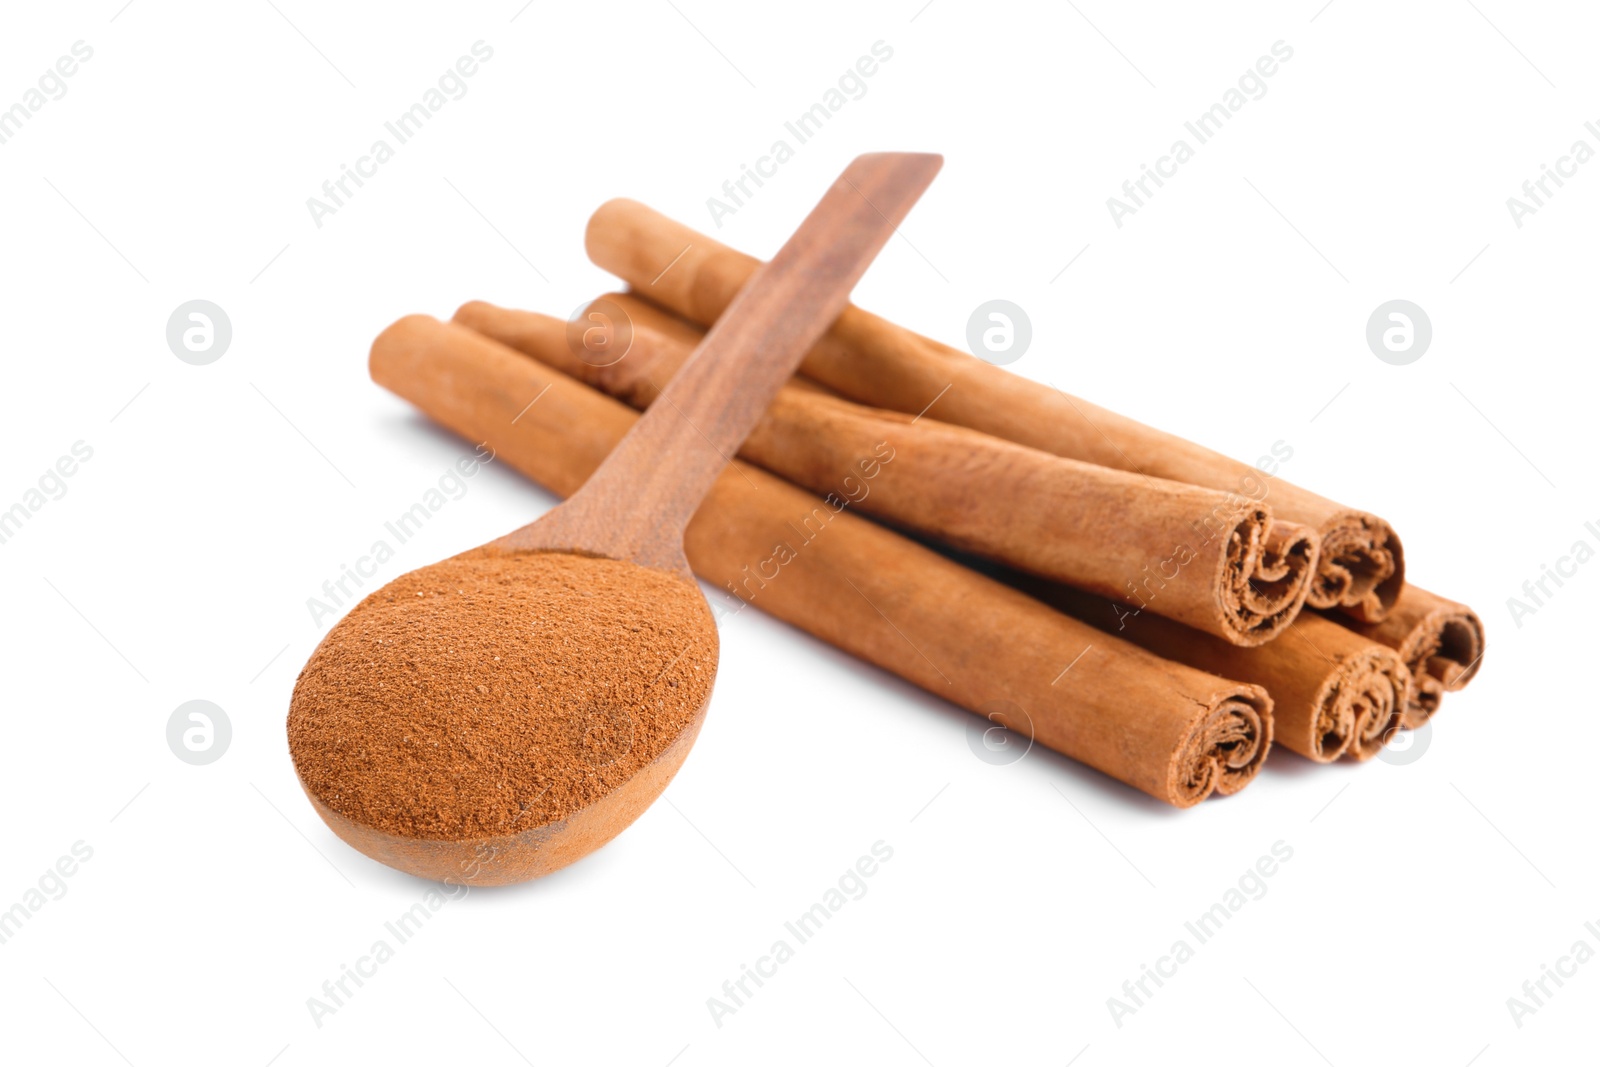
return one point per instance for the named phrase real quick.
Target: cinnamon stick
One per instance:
(870, 360)
(1441, 642)
(1335, 693)
(1174, 732)
(1214, 561)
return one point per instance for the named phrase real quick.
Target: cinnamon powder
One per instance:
(491, 694)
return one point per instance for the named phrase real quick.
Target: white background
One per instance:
(1231, 308)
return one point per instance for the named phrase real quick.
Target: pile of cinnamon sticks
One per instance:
(1131, 599)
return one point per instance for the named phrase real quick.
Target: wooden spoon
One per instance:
(625, 525)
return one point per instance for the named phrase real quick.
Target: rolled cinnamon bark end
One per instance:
(1334, 692)
(1267, 575)
(1224, 751)
(1167, 729)
(1184, 552)
(1362, 569)
(1376, 688)
(1440, 641)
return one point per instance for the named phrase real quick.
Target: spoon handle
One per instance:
(636, 505)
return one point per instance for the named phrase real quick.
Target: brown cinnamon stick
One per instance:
(1335, 693)
(870, 360)
(1214, 561)
(1170, 730)
(1441, 642)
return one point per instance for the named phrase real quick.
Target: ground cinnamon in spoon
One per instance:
(492, 694)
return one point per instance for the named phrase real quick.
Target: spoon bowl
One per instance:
(507, 859)
(493, 716)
